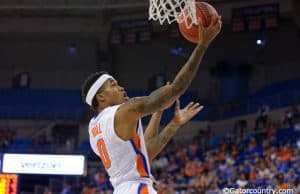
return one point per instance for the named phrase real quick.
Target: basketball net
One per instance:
(173, 10)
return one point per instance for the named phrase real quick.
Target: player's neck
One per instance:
(102, 107)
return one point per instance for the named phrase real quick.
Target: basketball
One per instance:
(204, 11)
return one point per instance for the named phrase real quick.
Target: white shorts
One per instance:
(134, 187)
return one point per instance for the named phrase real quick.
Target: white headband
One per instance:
(95, 87)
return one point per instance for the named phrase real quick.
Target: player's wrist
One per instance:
(202, 45)
(159, 112)
(176, 124)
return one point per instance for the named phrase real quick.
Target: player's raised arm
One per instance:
(135, 108)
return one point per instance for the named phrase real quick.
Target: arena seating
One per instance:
(67, 104)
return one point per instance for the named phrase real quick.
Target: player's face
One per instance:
(113, 93)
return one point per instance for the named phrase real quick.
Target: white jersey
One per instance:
(123, 160)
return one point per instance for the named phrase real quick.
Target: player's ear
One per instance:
(100, 97)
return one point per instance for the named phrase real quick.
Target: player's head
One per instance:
(101, 90)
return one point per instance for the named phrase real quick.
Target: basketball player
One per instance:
(116, 133)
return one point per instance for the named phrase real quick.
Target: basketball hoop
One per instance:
(173, 10)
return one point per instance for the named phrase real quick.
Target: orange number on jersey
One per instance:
(103, 153)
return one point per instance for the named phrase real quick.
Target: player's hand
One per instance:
(182, 116)
(208, 34)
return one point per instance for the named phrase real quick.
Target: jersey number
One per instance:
(103, 153)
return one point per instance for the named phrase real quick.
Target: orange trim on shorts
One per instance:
(144, 189)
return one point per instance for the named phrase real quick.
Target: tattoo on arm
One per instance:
(155, 101)
(181, 81)
(167, 133)
(156, 145)
(159, 98)
(189, 70)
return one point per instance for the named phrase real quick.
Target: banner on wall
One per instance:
(43, 164)
(255, 18)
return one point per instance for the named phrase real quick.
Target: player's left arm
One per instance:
(153, 126)
(181, 117)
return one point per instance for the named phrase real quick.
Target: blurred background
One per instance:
(247, 136)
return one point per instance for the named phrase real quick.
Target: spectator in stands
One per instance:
(161, 162)
(253, 173)
(282, 184)
(101, 180)
(271, 153)
(190, 169)
(239, 128)
(42, 139)
(263, 112)
(288, 120)
(6, 137)
(164, 189)
(296, 111)
(90, 189)
(173, 166)
(213, 189)
(98, 191)
(241, 181)
(203, 138)
(291, 176)
(47, 190)
(252, 145)
(68, 188)
(193, 150)
(285, 153)
(3, 140)
(180, 180)
(263, 171)
(271, 129)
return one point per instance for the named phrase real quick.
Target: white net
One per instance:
(173, 10)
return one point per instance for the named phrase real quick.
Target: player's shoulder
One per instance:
(105, 114)
(109, 111)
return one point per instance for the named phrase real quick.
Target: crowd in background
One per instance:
(259, 162)
(262, 159)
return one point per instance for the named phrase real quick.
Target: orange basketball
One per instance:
(205, 12)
